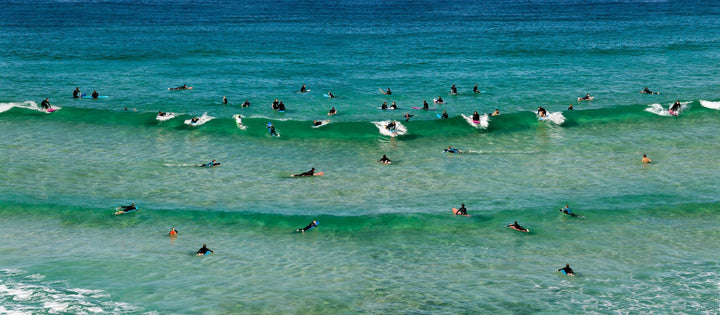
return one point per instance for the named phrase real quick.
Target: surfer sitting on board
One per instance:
(393, 105)
(281, 107)
(129, 208)
(444, 115)
(462, 210)
(45, 104)
(388, 92)
(246, 104)
(76, 92)
(541, 112)
(275, 104)
(311, 172)
(303, 89)
(475, 89)
(425, 105)
(310, 226)
(384, 160)
(332, 111)
(567, 270)
(384, 106)
(173, 232)
(203, 250)
(94, 94)
(567, 211)
(453, 90)
(645, 159)
(476, 116)
(224, 99)
(675, 107)
(439, 100)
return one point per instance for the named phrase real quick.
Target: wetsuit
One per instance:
(317, 123)
(675, 107)
(567, 270)
(76, 93)
(425, 105)
(390, 125)
(95, 94)
(272, 130)
(453, 89)
(393, 106)
(246, 104)
(128, 208)
(476, 117)
(332, 111)
(541, 111)
(388, 92)
(302, 89)
(275, 105)
(462, 210)
(204, 250)
(310, 226)
(281, 107)
(444, 115)
(475, 89)
(45, 104)
(384, 159)
(308, 173)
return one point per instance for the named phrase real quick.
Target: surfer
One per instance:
(517, 227)
(275, 104)
(388, 92)
(475, 89)
(647, 91)
(271, 129)
(444, 115)
(45, 104)
(183, 87)
(393, 105)
(161, 114)
(587, 97)
(211, 164)
(224, 99)
(567, 211)
(194, 120)
(246, 103)
(309, 226)
(425, 105)
(129, 208)
(475, 116)
(384, 106)
(281, 107)
(173, 232)
(570, 107)
(330, 95)
(203, 250)
(453, 90)
(675, 107)
(76, 92)
(645, 159)
(451, 150)
(407, 117)
(567, 270)
(541, 112)
(462, 210)
(439, 100)
(496, 112)
(390, 126)
(332, 111)
(94, 94)
(384, 160)
(303, 89)
(311, 172)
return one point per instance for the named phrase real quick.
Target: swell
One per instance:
(289, 128)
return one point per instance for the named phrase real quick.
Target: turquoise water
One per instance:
(387, 241)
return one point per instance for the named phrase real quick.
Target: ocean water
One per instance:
(387, 242)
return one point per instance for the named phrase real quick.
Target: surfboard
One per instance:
(180, 88)
(382, 91)
(455, 212)
(322, 123)
(672, 112)
(435, 100)
(516, 229)
(315, 174)
(415, 107)
(451, 151)
(120, 211)
(201, 120)
(50, 110)
(206, 253)
(90, 97)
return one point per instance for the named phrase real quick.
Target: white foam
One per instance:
(26, 105)
(484, 121)
(658, 110)
(167, 116)
(322, 123)
(709, 104)
(400, 129)
(201, 120)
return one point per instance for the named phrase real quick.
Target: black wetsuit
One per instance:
(390, 126)
(476, 117)
(462, 210)
(444, 115)
(45, 104)
(204, 250)
(95, 95)
(317, 123)
(246, 104)
(303, 89)
(128, 208)
(384, 159)
(275, 105)
(541, 111)
(453, 90)
(281, 107)
(310, 226)
(76, 93)
(425, 105)
(272, 131)
(675, 107)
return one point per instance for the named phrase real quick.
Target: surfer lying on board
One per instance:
(587, 97)
(567, 211)
(462, 210)
(310, 226)
(330, 95)
(496, 112)
(211, 164)
(311, 172)
(451, 150)
(567, 270)
(45, 104)
(541, 112)
(645, 159)
(517, 226)
(183, 87)
(647, 91)
(203, 250)
(317, 122)
(129, 208)
(384, 160)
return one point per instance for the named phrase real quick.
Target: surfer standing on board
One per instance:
(675, 107)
